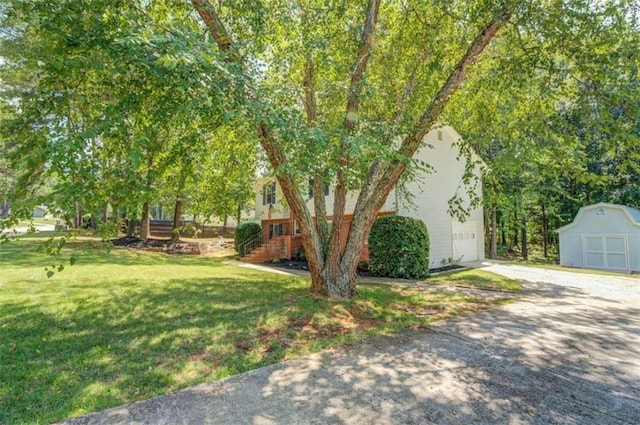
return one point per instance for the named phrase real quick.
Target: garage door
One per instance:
(464, 241)
(605, 252)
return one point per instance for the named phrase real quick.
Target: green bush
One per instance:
(245, 232)
(399, 247)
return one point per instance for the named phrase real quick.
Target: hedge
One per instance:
(399, 247)
(245, 232)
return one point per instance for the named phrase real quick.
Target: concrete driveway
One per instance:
(568, 352)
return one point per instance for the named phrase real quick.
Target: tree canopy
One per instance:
(117, 94)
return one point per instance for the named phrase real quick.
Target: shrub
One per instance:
(399, 247)
(245, 232)
(299, 255)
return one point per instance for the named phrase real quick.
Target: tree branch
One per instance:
(267, 141)
(216, 28)
(381, 183)
(411, 143)
(362, 60)
(319, 200)
(336, 251)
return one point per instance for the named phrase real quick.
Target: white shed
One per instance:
(602, 236)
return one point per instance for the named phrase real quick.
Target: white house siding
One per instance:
(431, 201)
(274, 211)
(611, 223)
(280, 210)
(352, 198)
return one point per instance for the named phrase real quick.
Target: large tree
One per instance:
(359, 84)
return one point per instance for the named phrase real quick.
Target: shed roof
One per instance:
(632, 213)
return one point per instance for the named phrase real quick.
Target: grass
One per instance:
(472, 278)
(578, 270)
(121, 326)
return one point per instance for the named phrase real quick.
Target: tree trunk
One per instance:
(131, 227)
(494, 234)
(523, 228)
(238, 216)
(516, 228)
(77, 218)
(145, 226)
(4, 211)
(175, 228)
(116, 218)
(105, 214)
(545, 232)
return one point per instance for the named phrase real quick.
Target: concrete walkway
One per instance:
(567, 353)
(25, 229)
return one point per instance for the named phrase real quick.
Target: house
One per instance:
(602, 236)
(39, 211)
(426, 198)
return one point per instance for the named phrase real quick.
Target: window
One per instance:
(276, 230)
(326, 189)
(269, 193)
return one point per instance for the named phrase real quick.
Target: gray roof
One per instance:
(632, 213)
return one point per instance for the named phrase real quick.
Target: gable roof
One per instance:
(631, 213)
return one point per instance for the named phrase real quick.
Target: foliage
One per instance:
(115, 102)
(299, 255)
(560, 130)
(399, 247)
(104, 333)
(246, 232)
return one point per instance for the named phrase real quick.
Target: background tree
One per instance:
(99, 93)
(563, 137)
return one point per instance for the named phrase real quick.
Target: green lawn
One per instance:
(121, 326)
(577, 270)
(473, 278)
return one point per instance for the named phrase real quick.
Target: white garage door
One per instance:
(464, 241)
(605, 252)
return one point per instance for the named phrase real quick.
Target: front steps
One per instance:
(274, 248)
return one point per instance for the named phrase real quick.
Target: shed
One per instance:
(602, 236)
(39, 212)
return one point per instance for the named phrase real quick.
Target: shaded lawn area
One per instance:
(474, 278)
(121, 326)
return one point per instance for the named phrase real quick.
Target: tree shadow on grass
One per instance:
(91, 351)
(565, 359)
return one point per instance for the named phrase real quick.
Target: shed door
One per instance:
(464, 241)
(605, 252)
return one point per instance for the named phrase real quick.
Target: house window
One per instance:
(276, 230)
(269, 193)
(326, 189)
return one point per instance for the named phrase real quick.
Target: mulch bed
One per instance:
(362, 272)
(135, 242)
